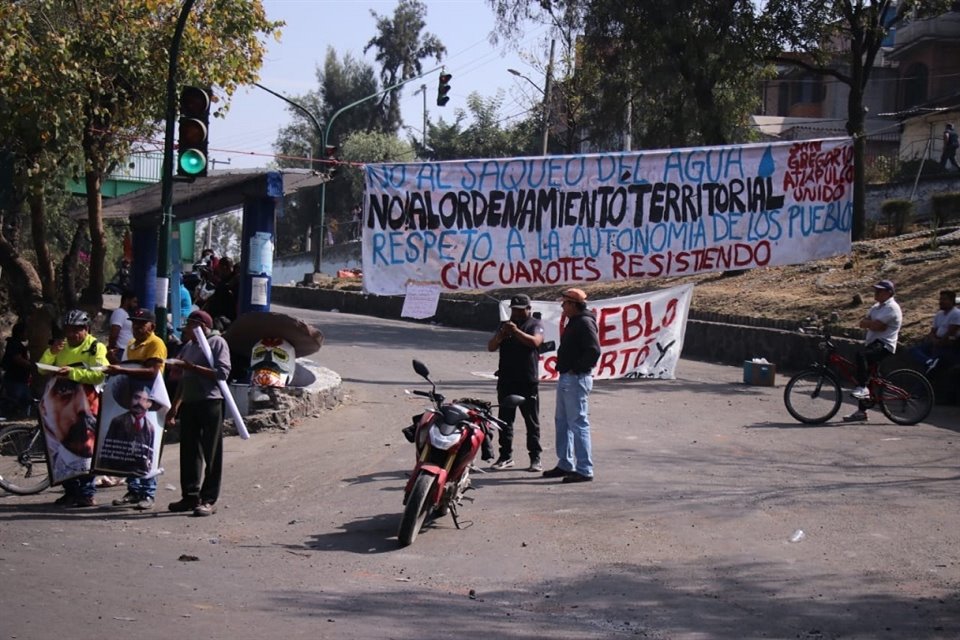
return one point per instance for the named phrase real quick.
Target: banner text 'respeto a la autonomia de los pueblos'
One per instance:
(524, 222)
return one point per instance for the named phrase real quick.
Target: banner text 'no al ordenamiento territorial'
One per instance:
(524, 222)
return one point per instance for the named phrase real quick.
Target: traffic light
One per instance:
(192, 143)
(443, 89)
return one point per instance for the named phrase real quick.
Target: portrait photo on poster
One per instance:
(68, 413)
(130, 430)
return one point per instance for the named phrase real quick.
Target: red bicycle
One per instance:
(814, 395)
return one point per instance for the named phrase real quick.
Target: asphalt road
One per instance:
(685, 534)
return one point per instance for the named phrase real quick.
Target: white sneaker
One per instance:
(860, 392)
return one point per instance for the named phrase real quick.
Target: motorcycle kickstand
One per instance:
(453, 514)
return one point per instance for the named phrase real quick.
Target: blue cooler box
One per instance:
(759, 375)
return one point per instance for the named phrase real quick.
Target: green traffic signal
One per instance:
(192, 163)
(193, 140)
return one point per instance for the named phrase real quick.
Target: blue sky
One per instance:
(245, 136)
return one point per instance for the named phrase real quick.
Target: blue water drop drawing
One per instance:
(766, 164)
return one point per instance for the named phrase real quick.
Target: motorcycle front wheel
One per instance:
(416, 510)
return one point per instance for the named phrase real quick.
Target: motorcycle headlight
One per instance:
(442, 442)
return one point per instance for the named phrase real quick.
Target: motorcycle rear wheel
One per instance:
(416, 510)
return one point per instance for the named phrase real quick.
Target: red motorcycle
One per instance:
(447, 438)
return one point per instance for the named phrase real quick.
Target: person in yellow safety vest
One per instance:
(80, 358)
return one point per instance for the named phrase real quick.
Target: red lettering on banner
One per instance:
(817, 175)
(605, 328)
(618, 362)
(550, 367)
(484, 275)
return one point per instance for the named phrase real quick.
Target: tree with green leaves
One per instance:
(485, 137)
(80, 83)
(841, 39)
(401, 46)
(340, 83)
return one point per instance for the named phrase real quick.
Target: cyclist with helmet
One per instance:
(70, 405)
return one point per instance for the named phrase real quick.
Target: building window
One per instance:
(915, 85)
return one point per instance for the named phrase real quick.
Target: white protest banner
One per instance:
(524, 222)
(641, 336)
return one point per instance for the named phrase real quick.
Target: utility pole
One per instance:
(546, 98)
(166, 179)
(423, 90)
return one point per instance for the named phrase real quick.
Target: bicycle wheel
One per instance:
(812, 396)
(906, 397)
(23, 460)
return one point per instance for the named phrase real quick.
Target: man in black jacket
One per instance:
(578, 354)
(518, 341)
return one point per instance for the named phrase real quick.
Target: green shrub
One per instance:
(897, 214)
(946, 208)
(908, 169)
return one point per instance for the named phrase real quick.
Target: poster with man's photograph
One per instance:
(130, 432)
(68, 413)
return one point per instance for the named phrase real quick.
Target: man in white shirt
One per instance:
(882, 323)
(121, 329)
(942, 344)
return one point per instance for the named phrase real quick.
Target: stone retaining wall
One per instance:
(710, 337)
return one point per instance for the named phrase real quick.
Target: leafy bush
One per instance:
(908, 169)
(946, 208)
(897, 214)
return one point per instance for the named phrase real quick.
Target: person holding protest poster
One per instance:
(130, 441)
(518, 341)
(69, 407)
(199, 404)
(143, 361)
(578, 354)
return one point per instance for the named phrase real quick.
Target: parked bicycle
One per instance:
(814, 395)
(23, 460)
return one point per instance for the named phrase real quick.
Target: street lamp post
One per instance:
(324, 141)
(316, 124)
(546, 96)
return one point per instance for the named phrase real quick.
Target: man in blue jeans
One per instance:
(578, 354)
(144, 359)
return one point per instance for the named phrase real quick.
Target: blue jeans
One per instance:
(573, 424)
(142, 487)
(81, 487)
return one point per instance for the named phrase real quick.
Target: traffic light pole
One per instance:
(166, 187)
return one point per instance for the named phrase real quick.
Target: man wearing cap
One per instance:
(143, 360)
(578, 354)
(199, 405)
(518, 341)
(882, 323)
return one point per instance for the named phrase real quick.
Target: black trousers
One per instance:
(201, 449)
(530, 410)
(873, 352)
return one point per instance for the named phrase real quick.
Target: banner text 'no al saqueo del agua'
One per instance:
(525, 222)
